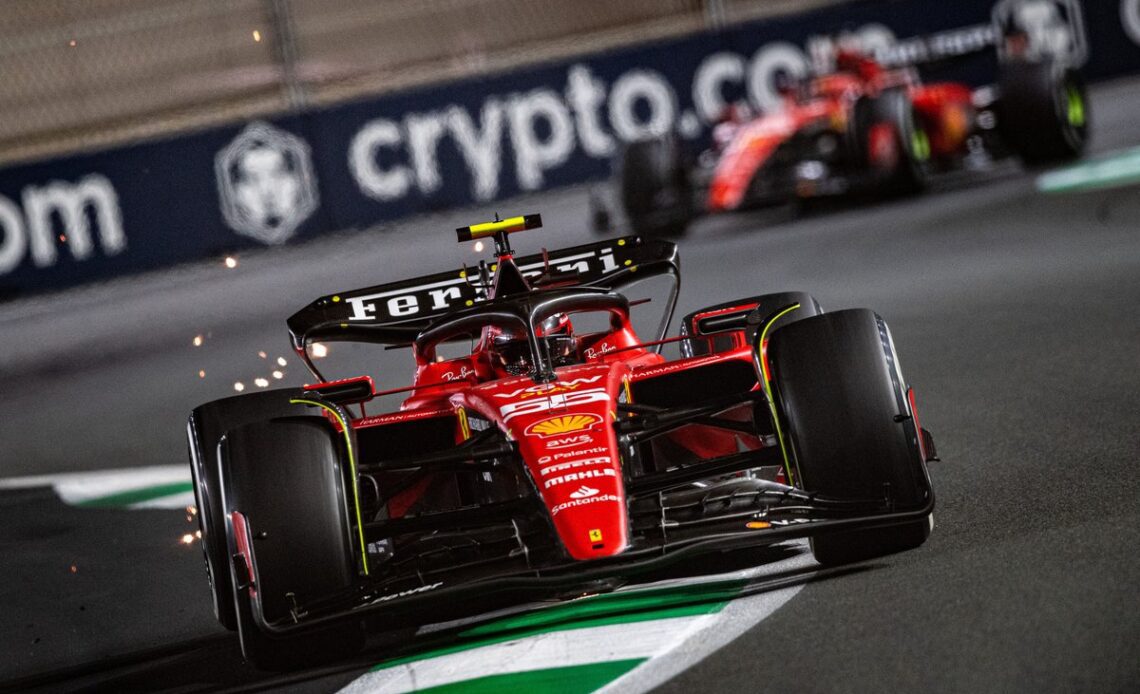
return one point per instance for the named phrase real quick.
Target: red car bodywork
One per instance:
(944, 110)
(562, 428)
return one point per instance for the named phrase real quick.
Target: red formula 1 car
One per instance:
(862, 128)
(535, 458)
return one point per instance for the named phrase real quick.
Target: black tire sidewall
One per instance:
(895, 108)
(648, 170)
(1033, 115)
(285, 476)
(839, 395)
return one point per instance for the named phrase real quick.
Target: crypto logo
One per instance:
(266, 183)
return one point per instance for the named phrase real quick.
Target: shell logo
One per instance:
(563, 425)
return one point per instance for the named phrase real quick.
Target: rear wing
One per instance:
(1057, 35)
(396, 312)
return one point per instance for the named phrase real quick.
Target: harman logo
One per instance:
(266, 183)
(583, 492)
(563, 425)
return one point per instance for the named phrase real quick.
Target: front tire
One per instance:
(286, 479)
(207, 425)
(849, 426)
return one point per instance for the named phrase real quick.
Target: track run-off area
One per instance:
(1014, 301)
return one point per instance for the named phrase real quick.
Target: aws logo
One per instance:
(569, 441)
(557, 426)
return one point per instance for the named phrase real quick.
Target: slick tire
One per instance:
(848, 426)
(208, 423)
(892, 115)
(654, 187)
(287, 479)
(1042, 111)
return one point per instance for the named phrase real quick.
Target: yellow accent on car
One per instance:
(768, 390)
(352, 469)
(595, 535)
(506, 226)
(564, 425)
(464, 427)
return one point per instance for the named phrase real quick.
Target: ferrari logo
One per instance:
(595, 535)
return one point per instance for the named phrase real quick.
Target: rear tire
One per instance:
(904, 169)
(1042, 112)
(286, 478)
(839, 395)
(654, 187)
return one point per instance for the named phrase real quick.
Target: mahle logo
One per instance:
(266, 183)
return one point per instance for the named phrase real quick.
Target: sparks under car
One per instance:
(544, 459)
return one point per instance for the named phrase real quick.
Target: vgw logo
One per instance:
(60, 214)
(266, 183)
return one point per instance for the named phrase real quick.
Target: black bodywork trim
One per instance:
(450, 601)
(790, 513)
(633, 257)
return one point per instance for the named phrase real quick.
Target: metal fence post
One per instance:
(285, 52)
(714, 14)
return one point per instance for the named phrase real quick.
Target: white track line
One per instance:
(670, 645)
(737, 617)
(78, 487)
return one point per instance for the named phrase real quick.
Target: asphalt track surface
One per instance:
(1016, 316)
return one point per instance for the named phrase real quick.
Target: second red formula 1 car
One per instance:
(861, 128)
(533, 457)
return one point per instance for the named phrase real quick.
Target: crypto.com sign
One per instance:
(58, 214)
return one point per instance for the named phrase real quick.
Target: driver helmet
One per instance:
(511, 349)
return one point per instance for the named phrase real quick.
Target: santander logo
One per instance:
(583, 492)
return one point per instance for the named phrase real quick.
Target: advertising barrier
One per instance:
(290, 178)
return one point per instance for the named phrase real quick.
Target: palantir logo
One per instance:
(266, 183)
(1052, 28)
